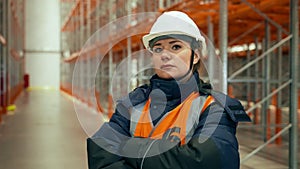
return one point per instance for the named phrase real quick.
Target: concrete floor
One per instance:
(44, 133)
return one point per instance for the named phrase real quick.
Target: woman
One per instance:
(177, 121)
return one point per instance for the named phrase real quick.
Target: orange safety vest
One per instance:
(176, 125)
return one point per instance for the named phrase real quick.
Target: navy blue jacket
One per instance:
(213, 144)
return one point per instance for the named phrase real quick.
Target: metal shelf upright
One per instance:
(257, 41)
(12, 46)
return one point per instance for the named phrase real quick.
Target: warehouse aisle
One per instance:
(42, 133)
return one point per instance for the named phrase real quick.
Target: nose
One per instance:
(165, 55)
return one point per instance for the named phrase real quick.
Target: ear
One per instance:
(196, 58)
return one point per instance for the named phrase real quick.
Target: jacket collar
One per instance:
(172, 89)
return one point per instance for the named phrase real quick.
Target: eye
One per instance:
(157, 49)
(176, 47)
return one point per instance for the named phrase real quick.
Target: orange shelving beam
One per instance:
(2, 40)
(240, 16)
(75, 11)
(67, 23)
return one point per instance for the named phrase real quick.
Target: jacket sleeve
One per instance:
(216, 124)
(98, 157)
(200, 152)
(219, 123)
(102, 148)
(150, 154)
(213, 145)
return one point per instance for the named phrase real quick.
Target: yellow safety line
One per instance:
(42, 88)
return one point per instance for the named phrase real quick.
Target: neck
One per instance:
(172, 88)
(186, 77)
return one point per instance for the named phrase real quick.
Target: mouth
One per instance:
(167, 66)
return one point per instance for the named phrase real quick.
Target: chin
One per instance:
(167, 76)
(172, 74)
(164, 76)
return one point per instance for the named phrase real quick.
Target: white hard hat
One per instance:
(174, 22)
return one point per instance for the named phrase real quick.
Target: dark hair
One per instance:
(196, 45)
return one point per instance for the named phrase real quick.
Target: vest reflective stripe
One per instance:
(144, 123)
(136, 113)
(208, 101)
(178, 123)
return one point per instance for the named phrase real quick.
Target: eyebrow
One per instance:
(174, 41)
(157, 44)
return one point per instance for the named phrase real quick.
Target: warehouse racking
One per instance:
(256, 39)
(11, 50)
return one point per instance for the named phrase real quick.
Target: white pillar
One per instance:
(42, 42)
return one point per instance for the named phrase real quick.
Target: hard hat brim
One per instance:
(147, 38)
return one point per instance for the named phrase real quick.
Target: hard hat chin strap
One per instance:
(191, 66)
(192, 60)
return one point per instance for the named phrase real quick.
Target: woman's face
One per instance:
(171, 58)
